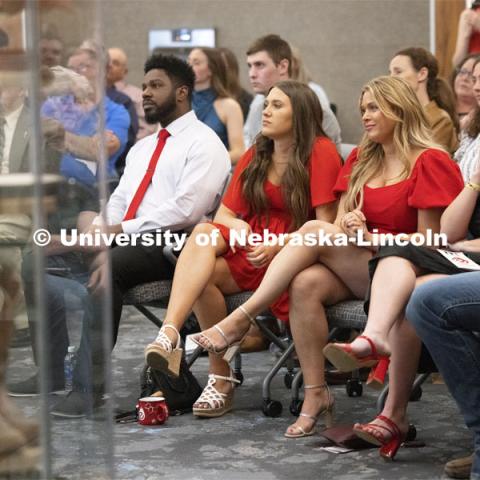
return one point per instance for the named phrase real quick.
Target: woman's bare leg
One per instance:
(405, 353)
(209, 309)
(349, 263)
(310, 291)
(193, 271)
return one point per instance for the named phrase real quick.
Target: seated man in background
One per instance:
(116, 75)
(80, 121)
(269, 60)
(175, 195)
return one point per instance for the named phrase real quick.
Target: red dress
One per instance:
(323, 168)
(434, 182)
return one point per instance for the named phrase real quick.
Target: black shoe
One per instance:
(21, 338)
(77, 405)
(31, 387)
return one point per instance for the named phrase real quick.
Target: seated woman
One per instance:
(462, 85)
(397, 181)
(213, 104)
(420, 69)
(286, 178)
(389, 300)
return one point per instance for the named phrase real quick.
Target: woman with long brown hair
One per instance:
(396, 182)
(419, 68)
(286, 178)
(213, 103)
(241, 95)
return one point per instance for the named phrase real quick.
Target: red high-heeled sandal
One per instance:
(388, 445)
(344, 359)
(376, 377)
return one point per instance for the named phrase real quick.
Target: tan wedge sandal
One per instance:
(162, 355)
(230, 349)
(218, 403)
(327, 411)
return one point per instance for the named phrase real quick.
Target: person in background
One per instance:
(301, 73)
(80, 121)
(51, 50)
(420, 69)
(269, 60)
(243, 97)
(213, 103)
(462, 84)
(116, 75)
(468, 34)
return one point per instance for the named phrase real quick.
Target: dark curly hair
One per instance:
(178, 71)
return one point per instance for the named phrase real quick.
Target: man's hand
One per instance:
(54, 134)
(61, 81)
(465, 23)
(98, 281)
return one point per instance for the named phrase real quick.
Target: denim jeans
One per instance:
(70, 279)
(446, 316)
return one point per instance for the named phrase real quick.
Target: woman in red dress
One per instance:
(397, 181)
(281, 182)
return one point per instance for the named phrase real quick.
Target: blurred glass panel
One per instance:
(58, 152)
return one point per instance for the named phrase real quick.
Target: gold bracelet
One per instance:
(473, 186)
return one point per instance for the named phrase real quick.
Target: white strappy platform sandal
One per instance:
(327, 411)
(162, 354)
(218, 403)
(230, 349)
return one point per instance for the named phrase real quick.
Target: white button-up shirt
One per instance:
(9, 129)
(187, 182)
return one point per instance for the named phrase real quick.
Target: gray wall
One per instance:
(344, 42)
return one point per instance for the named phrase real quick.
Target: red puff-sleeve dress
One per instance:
(434, 182)
(323, 169)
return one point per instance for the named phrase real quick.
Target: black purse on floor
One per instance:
(180, 392)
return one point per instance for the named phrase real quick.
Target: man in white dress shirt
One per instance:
(192, 168)
(269, 60)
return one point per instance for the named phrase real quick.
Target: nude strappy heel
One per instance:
(162, 354)
(328, 412)
(230, 349)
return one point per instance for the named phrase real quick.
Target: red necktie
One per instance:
(142, 188)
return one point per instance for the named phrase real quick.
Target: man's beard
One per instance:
(162, 112)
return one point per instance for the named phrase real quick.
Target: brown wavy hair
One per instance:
(217, 67)
(396, 99)
(307, 120)
(438, 89)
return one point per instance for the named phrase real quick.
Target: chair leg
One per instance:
(145, 311)
(278, 365)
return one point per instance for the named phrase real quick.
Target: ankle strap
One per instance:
(322, 385)
(244, 311)
(373, 348)
(168, 325)
(230, 379)
(308, 387)
(394, 428)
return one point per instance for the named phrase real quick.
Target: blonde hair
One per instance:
(398, 102)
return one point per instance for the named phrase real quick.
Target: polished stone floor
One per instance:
(242, 444)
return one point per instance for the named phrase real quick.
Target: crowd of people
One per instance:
(168, 150)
